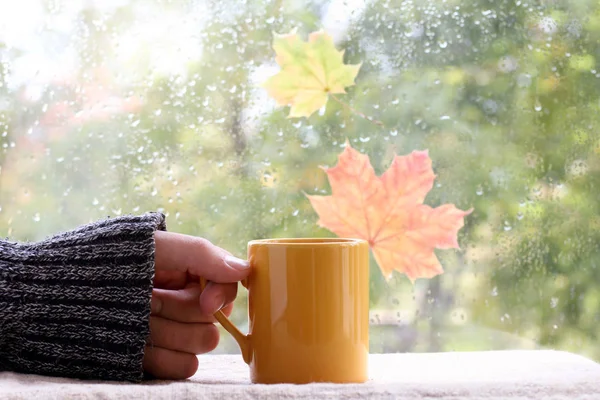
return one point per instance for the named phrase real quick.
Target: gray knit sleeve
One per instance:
(78, 303)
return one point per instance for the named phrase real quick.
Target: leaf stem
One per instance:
(355, 111)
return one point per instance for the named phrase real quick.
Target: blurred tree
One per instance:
(504, 94)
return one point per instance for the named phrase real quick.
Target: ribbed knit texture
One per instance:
(78, 303)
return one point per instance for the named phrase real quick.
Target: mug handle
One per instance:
(242, 339)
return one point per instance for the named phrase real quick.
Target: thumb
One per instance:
(197, 256)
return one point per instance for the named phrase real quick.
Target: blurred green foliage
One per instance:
(504, 94)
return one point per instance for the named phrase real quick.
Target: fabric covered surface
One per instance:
(534, 374)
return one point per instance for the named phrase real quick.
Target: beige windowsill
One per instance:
(538, 374)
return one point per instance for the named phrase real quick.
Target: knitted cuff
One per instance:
(78, 304)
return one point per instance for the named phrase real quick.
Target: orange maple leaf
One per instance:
(389, 213)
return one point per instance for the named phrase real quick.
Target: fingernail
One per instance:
(237, 263)
(219, 303)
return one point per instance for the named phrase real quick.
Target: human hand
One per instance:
(182, 317)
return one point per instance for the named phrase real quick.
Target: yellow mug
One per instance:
(308, 305)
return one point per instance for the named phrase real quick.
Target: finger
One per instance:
(227, 309)
(169, 364)
(174, 251)
(180, 305)
(188, 338)
(215, 296)
(165, 279)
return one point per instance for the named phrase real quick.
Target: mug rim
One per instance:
(305, 242)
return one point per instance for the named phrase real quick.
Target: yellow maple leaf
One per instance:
(388, 212)
(310, 72)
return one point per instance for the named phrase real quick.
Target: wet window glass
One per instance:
(123, 106)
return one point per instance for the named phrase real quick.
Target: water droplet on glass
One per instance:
(157, 112)
(494, 291)
(553, 302)
(507, 226)
(524, 80)
(295, 213)
(36, 217)
(135, 123)
(95, 202)
(479, 191)
(394, 133)
(60, 159)
(519, 216)
(538, 107)
(443, 44)
(364, 139)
